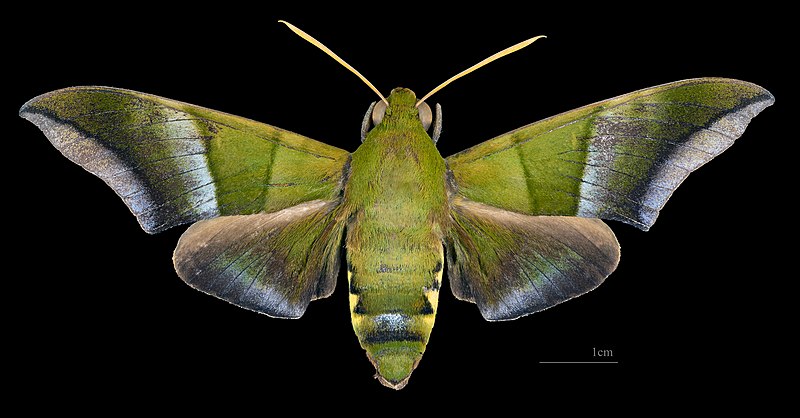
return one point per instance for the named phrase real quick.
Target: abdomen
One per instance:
(394, 279)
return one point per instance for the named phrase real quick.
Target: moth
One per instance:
(517, 219)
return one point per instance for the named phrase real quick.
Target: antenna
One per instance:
(500, 54)
(333, 55)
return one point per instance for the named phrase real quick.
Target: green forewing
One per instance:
(619, 159)
(175, 163)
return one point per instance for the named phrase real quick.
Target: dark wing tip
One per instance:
(31, 104)
(750, 106)
(60, 133)
(763, 96)
(25, 109)
(769, 98)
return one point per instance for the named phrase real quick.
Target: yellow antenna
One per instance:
(333, 55)
(500, 54)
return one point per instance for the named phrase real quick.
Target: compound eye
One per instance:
(377, 112)
(425, 115)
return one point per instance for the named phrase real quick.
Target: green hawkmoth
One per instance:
(516, 220)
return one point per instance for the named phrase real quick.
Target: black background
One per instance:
(98, 312)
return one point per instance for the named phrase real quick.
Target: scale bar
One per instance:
(578, 362)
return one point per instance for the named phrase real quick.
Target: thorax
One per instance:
(397, 171)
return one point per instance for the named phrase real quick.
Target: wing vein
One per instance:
(669, 122)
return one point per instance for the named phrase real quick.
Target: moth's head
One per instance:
(402, 107)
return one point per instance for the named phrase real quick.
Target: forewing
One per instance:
(174, 163)
(512, 265)
(273, 263)
(620, 159)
